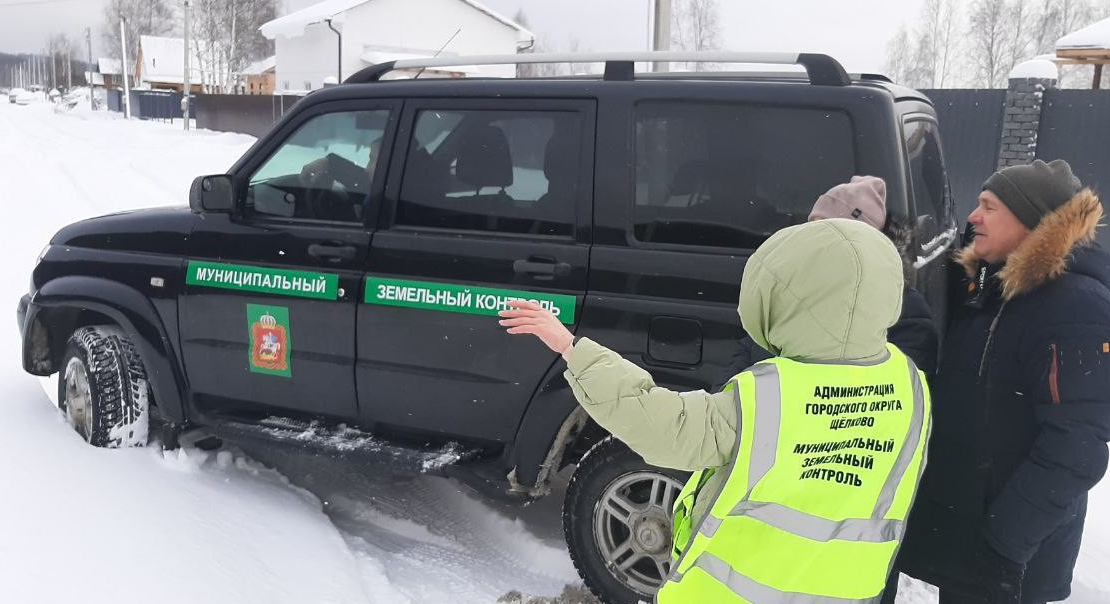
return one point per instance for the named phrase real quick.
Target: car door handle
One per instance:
(332, 253)
(541, 268)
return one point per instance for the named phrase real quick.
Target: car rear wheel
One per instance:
(103, 389)
(617, 522)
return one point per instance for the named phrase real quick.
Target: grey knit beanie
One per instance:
(1034, 190)
(863, 199)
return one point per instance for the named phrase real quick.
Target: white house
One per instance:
(368, 32)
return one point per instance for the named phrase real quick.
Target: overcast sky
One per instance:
(853, 31)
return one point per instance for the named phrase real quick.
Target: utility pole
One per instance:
(123, 63)
(53, 69)
(662, 37)
(187, 85)
(88, 79)
(69, 68)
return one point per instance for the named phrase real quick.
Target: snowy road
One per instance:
(81, 524)
(89, 525)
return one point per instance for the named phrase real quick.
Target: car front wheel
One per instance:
(103, 389)
(617, 522)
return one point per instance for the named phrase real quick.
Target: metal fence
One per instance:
(148, 104)
(970, 129)
(249, 114)
(156, 105)
(1075, 126)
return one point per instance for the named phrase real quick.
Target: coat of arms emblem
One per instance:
(269, 339)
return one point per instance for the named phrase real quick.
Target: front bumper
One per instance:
(21, 313)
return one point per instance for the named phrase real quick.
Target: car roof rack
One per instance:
(823, 70)
(876, 77)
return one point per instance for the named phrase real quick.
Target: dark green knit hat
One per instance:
(1034, 190)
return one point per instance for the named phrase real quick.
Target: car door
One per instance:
(268, 309)
(709, 182)
(490, 200)
(935, 227)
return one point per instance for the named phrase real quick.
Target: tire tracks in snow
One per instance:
(431, 538)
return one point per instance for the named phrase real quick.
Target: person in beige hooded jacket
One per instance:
(821, 292)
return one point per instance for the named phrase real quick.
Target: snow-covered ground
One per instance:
(104, 526)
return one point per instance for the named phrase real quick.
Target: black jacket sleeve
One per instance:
(915, 333)
(747, 354)
(1068, 369)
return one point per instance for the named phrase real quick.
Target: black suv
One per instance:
(341, 281)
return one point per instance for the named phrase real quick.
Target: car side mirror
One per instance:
(214, 193)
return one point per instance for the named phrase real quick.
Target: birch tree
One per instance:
(988, 41)
(225, 39)
(142, 18)
(695, 26)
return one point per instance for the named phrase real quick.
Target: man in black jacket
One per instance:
(915, 334)
(1021, 410)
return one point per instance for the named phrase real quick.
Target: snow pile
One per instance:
(1095, 35)
(1037, 69)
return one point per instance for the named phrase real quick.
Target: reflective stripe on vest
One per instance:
(877, 529)
(758, 593)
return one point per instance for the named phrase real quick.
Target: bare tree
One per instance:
(988, 39)
(143, 18)
(695, 25)
(225, 39)
(925, 57)
(1020, 38)
(899, 57)
(59, 47)
(948, 42)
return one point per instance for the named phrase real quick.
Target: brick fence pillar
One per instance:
(1022, 120)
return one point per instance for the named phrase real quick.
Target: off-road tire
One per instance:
(606, 463)
(119, 393)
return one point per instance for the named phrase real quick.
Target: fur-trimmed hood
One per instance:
(1046, 252)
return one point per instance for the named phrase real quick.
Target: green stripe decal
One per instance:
(448, 297)
(302, 284)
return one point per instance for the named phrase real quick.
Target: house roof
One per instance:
(382, 54)
(294, 24)
(109, 66)
(261, 67)
(164, 61)
(1095, 35)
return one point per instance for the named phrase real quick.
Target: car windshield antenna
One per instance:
(439, 51)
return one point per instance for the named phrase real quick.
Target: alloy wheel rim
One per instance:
(632, 529)
(78, 398)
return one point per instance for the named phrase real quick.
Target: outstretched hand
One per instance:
(529, 317)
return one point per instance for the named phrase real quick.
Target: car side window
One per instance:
(730, 175)
(323, 171)
(502, 171)
(927, 179)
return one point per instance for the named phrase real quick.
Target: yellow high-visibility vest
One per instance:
(828, 458)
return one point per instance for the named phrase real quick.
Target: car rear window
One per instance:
(730, 175)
